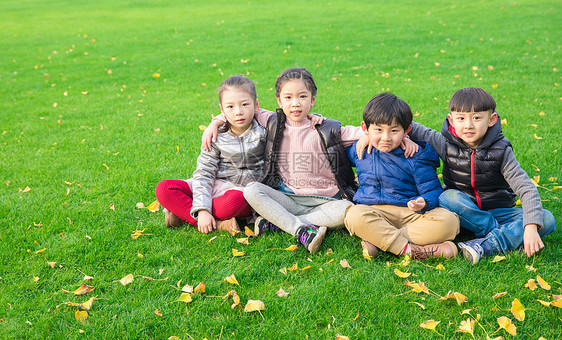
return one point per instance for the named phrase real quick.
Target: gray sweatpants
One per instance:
(290, 212)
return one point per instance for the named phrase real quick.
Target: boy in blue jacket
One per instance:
(398, 198)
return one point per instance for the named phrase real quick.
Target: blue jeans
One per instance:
(502, 227)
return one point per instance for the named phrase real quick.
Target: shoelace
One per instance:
(422, 253)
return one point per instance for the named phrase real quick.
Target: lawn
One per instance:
(99, 101)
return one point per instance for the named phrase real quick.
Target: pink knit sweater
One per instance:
(302, 164)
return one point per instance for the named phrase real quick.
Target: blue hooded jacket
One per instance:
(390, 178)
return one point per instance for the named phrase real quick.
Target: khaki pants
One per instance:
(391, 227)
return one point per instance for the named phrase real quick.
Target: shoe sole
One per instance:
(453, 247)
(317, 241)
(469, 254)
(256, 223)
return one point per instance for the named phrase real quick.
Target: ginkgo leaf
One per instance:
(557, 303)
(292, 247)
(341, 337)
(366, 255)
(157, 312)
(467, 326)
(329, 251)
(345, 264)
(281, 293)
(235, 300)
(127, 279)
(137, 233)
(74, 304)
(254, 305)
(430, 324)
(140, 205)
(283, 270)
(530, 268)
(460, 298)
(406, 261)
(417, 287)
(200, 288)
(536, 137)
(294, 267)
(83, 289)
(544, 285)
(518, 310)
(184, 297)
(156, 75)
(531, 284)
(506, 324)
(544, 303)
(305, 268)
(498, 295)
(237, 253)
(401, 274)
(87, 304)
(52, 264)
(87, 277)
(249, 232)
(187, 289)
(154, 206)
(243, 240)
(81, 315)
(40, 251)
(232, 280)
(440, 267)
(498, 258)
(419, 304)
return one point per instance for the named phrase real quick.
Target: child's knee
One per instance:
(251, 190)
(449, 197)
(353, 217)
(549, 224)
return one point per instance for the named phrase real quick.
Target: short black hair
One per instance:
(472, 99)
(386, 108)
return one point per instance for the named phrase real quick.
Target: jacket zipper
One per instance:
(473, 180)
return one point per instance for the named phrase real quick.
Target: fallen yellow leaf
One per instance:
(467, 326)
(430, 324)
(237, 253)
(506, 324)
(232, 280)
(460, 298)
(294, 267)
(87, 304)
(156, 75)
(536, 137)
(40, 251)
(83, 289)
(249, 232)
(401, 274)
(157, 312)
(518, 310)
(498, 295)
(254, 305)
(281, 293)
(544, 303)
(52, 264)
(341, 337)
(243, 240)
(200, 288)
(366, 255)
(127, 279)
(544, 285)
(292, 247)
(184, 297)
(531, 284)
(440, 267)
(187, 289)
(498, 258)
(81, 315)
(345, 264)
(154, 206)
(305, 268)
(417, 287)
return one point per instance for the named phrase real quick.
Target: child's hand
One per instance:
(410, 148)
(417, 204)
(210, 134)
(205, 222)
(363, 143)
(531, 240)
(315, 119)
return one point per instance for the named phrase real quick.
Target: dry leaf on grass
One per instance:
(237, 253)
(83, 289)
(531, 284)
(345, 264)
(544, 285)
(81, 315)
(518, 310)
(127, 279)
(254, 305)
(200, 288)
(467, 326)
(401, 274)
(281, 293)
(292, 247)
(506, 324)
(232, 280)
(460, 298)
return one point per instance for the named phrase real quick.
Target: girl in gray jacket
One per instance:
(213, 198)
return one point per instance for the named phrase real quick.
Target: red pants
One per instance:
(176, 196)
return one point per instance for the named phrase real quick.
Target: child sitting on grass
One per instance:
(398, 197)
(483, 179)
(213, 198)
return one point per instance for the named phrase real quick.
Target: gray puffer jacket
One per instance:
(235, 159)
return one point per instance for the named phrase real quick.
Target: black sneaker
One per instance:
(311, 237)
(263, 226)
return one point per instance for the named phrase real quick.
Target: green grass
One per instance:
(354, 50)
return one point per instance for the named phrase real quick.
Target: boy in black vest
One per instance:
(484, 178)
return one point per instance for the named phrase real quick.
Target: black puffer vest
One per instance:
(330, 134)
(477, 172)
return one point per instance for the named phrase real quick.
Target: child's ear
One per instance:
(279, 102)
(493, 119)
(257, 106)
(408, 129)
(450, 119)
(364, 127)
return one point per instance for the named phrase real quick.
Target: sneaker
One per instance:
(472, 250)
(263, 226)
(372, 250)
(171, 220)
(445, 249)
(230, 225)
(311, 237)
